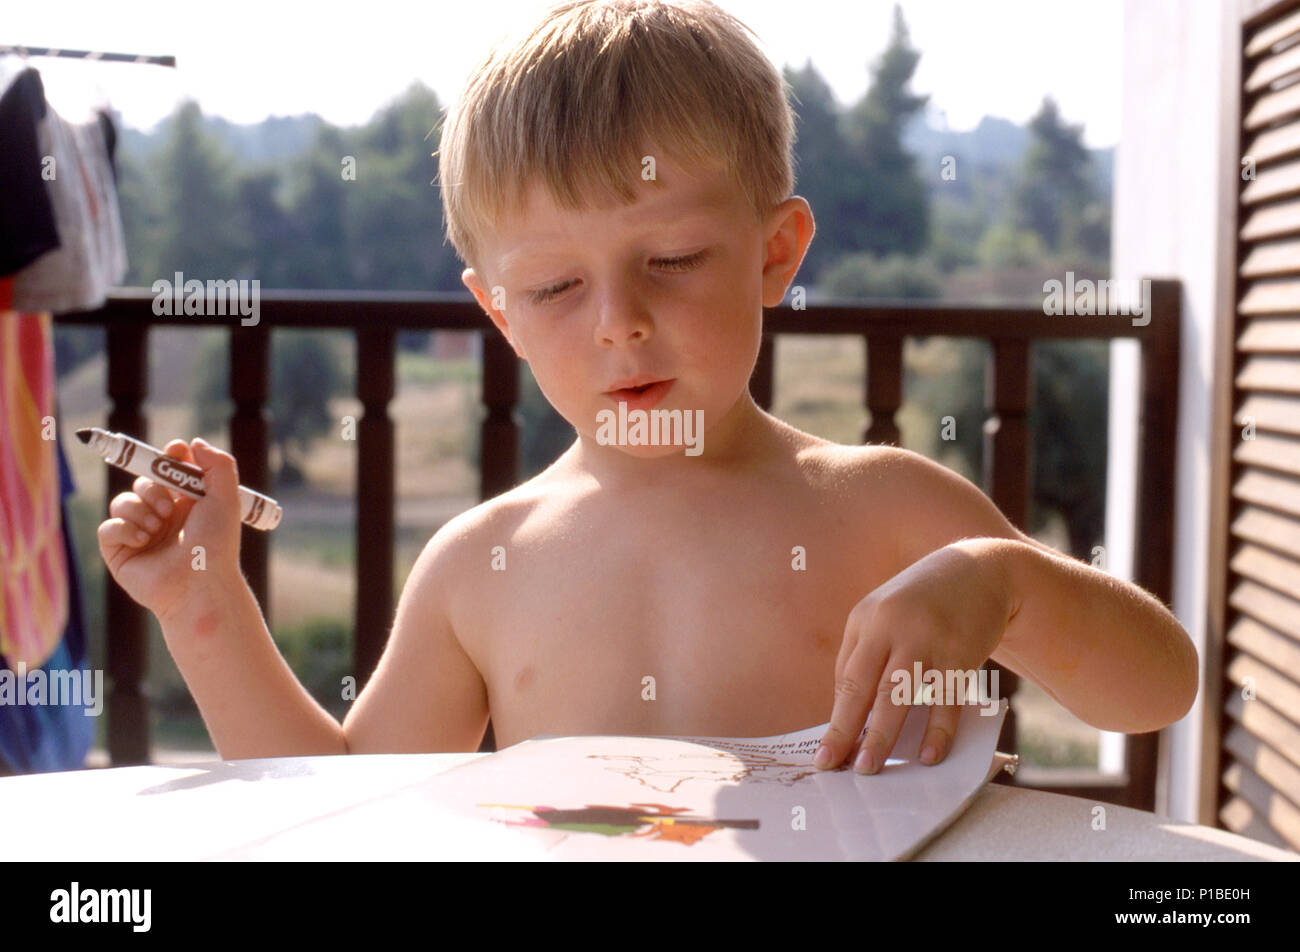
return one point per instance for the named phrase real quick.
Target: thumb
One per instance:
(220, 473)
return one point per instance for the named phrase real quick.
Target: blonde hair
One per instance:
(574, 102)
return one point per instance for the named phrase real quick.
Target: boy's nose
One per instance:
(623, 319)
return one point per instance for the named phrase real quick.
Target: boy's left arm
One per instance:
(975, 587)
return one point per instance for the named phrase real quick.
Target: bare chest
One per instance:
(716, 620)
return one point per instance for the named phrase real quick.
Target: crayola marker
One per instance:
(140, 459)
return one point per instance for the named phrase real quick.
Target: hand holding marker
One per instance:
(140, 459)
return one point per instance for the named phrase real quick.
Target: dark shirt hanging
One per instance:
(27, 226)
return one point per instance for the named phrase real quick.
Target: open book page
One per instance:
(665, 798)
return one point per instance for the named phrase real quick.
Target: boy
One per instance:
(619, 184)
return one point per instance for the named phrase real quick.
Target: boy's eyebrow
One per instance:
(706, 207)
(553, 242)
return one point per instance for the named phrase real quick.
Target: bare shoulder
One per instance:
(892, 469)
(921, 504)
(455, 557)
(429, 692)
(470, 535)
(870, 473)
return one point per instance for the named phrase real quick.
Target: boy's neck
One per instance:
(745, 437)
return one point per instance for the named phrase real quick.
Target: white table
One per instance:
(239, 809)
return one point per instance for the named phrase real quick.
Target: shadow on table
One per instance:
(247, 770)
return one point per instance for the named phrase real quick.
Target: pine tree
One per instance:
(888, 210)
(200, 231)
(1054, 184)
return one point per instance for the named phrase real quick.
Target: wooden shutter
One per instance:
(1259, 740)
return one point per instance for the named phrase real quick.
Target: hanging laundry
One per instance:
(27, 227)
(33, 572)
(41, 621)
(37, 738)
(77, 168)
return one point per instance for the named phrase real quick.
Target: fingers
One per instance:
(156, 497)
(145, 514)
(887, 717)
(889, 711)
(939, 732)
(179, 449)
(855, 693)
(140, 521)
(120, 532)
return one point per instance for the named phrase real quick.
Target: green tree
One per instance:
(1006, 246)
(958, 227)
(822, 165)
(1054, 184)
(889, 207)
(199, 228)
(319, 210)
(273, 231)
(395, 240)
(138, 200)
(897, 276)
(1069, 424)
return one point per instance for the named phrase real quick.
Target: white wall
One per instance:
(1173, 205)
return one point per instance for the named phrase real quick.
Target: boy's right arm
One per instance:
(251, 702)
(425, 695)
(180, 559)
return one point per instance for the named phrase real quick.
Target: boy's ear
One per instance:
(489, 299)
(789, 232)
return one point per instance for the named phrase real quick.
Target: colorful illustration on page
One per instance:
(653, 820)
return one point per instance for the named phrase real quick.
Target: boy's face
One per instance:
(670, 287)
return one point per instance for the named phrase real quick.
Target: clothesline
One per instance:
(90, 55)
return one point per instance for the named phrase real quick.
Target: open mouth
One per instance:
(644, 396)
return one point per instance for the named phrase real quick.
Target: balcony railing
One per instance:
(376, 318)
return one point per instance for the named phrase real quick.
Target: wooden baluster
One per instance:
(1006, 432)
(376, 373)
(250, 376)
(884, 388)
(499, 433)
(1153, 557)
(498, 436)
(1006, 472)
(125, 631)
(761, 380)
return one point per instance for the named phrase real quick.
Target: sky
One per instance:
(248, 60)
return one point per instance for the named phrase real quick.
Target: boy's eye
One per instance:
(683, 263)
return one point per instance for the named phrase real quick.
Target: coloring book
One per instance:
(665, 798)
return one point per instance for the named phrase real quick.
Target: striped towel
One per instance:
(33, 569)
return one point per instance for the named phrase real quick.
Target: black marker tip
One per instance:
(84, 435)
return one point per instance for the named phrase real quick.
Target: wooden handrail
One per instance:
(376, 317)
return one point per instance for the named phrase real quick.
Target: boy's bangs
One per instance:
(578, 104)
